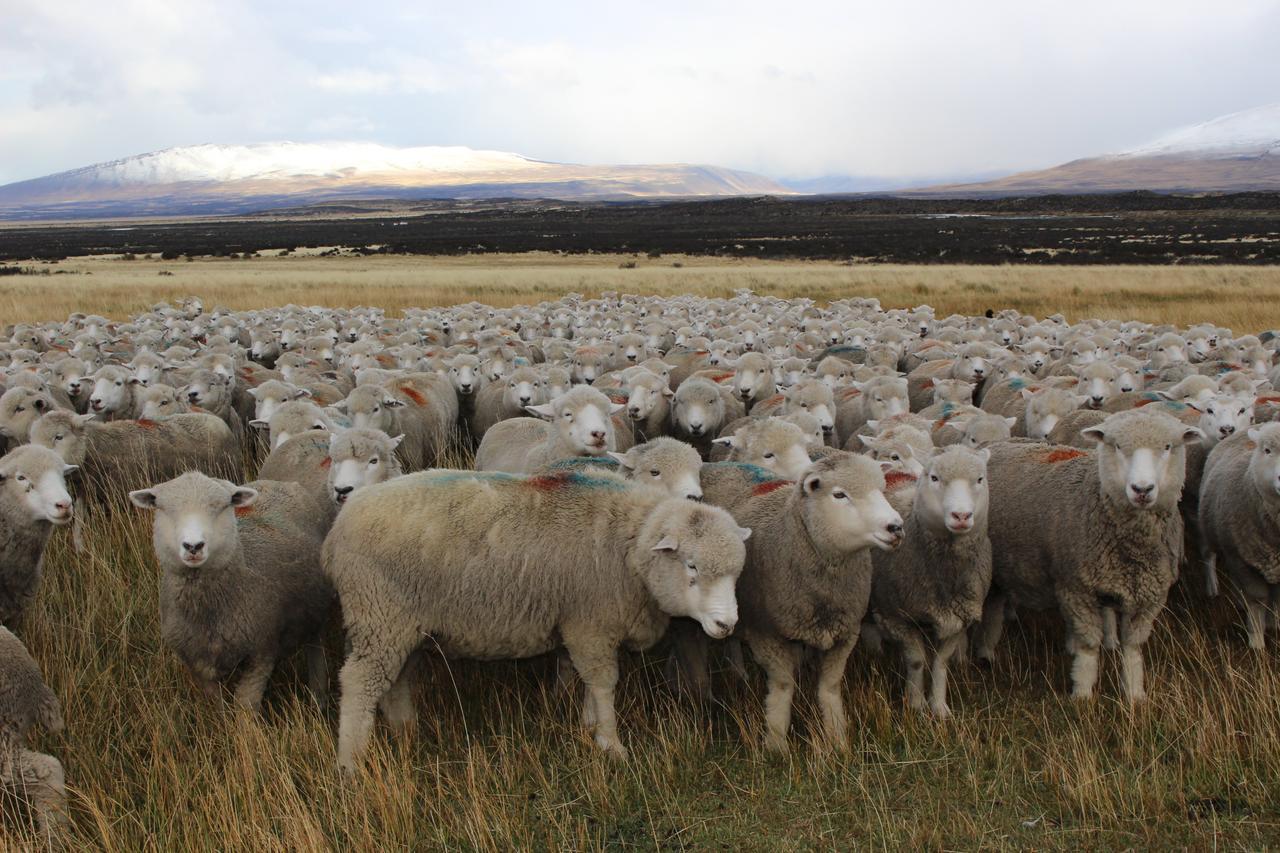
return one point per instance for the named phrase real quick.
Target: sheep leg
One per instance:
(397, 703)
(1210, 573)
(871, 638)
(835, 725)
(253, 684)
(597, 664)
(1135, 628)
(365, 677)
(991, 627)
(1110, 637)
(914, 659)
(689, 671)
(40, 779)
(1255, 622)
(938, 675)
(318, 673)
(781, 663)
(1084, 622)
(733, 653)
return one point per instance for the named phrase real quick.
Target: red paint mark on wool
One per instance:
(546, 482)
(617, 397)
(412, 394)
(1062, 454)
(242, 511)
(898, 479)
(1267, 399)
(144, 423)
(198, 410)
(927, 384)
(776, 399)
(326, 463)
(769, 486)
(848, 393)
(720, 377)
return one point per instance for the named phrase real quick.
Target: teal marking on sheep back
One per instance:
(1018, 383)
(755, 472)
(448, 476)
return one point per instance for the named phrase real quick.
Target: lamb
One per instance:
(807, 577)
(753, 379)
(33, 500)
(498, 401)
(116, 456)
(578, 423)
(808, 395)
(932, 588)
(1089, 533)
(241, 587)
(19, 409)
(613, 563)
(1239, 522)
(664, 463)
(159, 401)
(1044, 408)
(25, 703)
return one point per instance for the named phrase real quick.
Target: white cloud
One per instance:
(913, 88)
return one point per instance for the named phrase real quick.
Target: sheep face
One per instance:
(1099, 382)
(161, 401)
(753, 377)
(693, 563)
(894, 455)
(372, 407)
(887, 396)
(1142, 457)
(667, 464)
(1046, 407)
(111, 391)
(70, 376)
(524, 388)
(954, 391)
(35, 478)
(19, 409)
(62, 432)
(835, 372)
(971, 365)
(208, 390)
(698, 408)
(271, 395)
(844, 506)
(1222, 416)
(1264, 462)
(586, 365)
(814, 397)
(359, 458)
(954, 494)
(772, 444)
(292, 419)
(464, 373)
(195, 519)
(147, 368)
(582, 417)
(645, 395)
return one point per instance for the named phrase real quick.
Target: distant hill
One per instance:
(228, 179)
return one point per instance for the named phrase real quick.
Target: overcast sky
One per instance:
(790, 89)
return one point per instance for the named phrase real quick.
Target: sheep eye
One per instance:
(896, 457)
(839, 495)
(1266, 450)
(1209, 411)
(58, 437)
(373, 461)
(22, 478)
(933, 477)
(655, 472)
(20, 409)
(1168, 447)
(804, 405)
(980, 480)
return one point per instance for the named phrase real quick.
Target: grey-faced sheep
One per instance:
(241, 586)
(928, 592)
(508, 567)
(26, 702)
(578, 423)
(1088, 533)
(33, 500)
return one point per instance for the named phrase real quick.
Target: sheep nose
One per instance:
(634, 411)
(978, 371)
(1096, 399)
(631, 357)
(466, 387)
(827, 429)
(961, 519)
(894, 528)
(724, 627)
(598, 434)
(193, 548)
(693, 496)
(1227, 429)
(524, 401)
(1142, 491)
(193, 395)
(63, 507)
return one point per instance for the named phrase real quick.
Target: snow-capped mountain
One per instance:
(1233, 153)
(222, 179)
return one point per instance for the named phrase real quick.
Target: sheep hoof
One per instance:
(777, 744)
(612, 748)
(941, 712)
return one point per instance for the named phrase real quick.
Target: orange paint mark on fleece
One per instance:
(242, 511)
(721, 377)
(546, 482)
(147, 424)
(769, 486)
(1062, 454)
(326, 463)
(898, 479)
(412, 394)
(848, 393)
(776, 399)
(1266, 399)
(926, 385)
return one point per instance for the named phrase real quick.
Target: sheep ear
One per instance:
(666, 545)
(726, 441)
(886, 466)
(333, 439)
(1010, 422)
(1193, 405)
(811, 482)
(1191, 435)
(1027, 393)
(545, 411)
(874, 424)
(1165, 395)
(985, 454)
(668, 393)
(299, 393)
(1095, 434)
(85, 418)
(253, 392)
(745, 533)
(614, 408)
(623, 459)
(243, 496)
(144, 498)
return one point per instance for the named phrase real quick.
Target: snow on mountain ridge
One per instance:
(284, 160)
(1255, 130)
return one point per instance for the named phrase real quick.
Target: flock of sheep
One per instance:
(704, 474)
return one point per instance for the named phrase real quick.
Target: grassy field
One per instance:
(497, 761)
(1239, 297)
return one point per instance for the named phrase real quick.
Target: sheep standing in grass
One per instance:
(33, 500)
(19, 409)
(241, 587)
(931, 589)
(497, 566)
(807, 579)
(578, 423)
(1089, 533)
(25, 703)
(508, 398)
(1239, 522)
(332, 466)
(419, 406)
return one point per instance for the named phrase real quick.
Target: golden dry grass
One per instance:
(1243, 298)
(497, 761)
